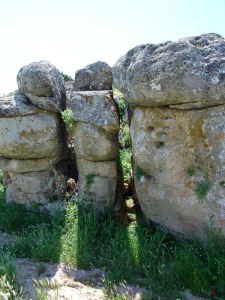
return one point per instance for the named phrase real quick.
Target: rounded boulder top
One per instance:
(43, 85)
(94, 77)
(186, 74)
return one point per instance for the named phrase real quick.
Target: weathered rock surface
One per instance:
(28, 165)
(95, 139)
(97, 183)
(93, 143)
(96, 108)
(179, 167)
(94, 77)
(31, 136)
(17, 105)
(43, 85)
(189, 73)
(32, 140)
(35, 187)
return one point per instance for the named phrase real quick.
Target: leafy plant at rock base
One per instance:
(67, 116)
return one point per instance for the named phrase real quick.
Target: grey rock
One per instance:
(28, 165)
(69, 85)
(93, 143)
(35, 187)
(96, 108)
(31, 136)
(94, 77)
(189, 73)
(97, 183)
(179, 171)
(18, 105)
(43, 85)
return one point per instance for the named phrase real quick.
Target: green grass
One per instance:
(80, 237)
(124, 163)
(202, 189)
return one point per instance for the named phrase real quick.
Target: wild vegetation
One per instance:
(125, 151)
(66, 77)
(138, 253)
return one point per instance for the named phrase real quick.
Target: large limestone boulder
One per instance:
(179, 167)
(95, 139)
(43, 85)
(94, 77)
(189, 73)
(28, 165)
(97, 183)
(32, 146)
(94, 107)
(93, 143)
(31, 136)
(18, 105)
(35, 187)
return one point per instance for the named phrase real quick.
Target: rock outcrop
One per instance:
(177, 93)
(96, 126)
(32, 142)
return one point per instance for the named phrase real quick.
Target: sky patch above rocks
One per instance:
(71, 34)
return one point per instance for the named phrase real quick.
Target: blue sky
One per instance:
(71, 34)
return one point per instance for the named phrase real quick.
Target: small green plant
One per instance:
(203, 185)
(89, 180)
(124, 163)
(202, 189)
(124, 137)
(67, 116)
(9, 290)
(66, 77)
(139, 172)
(42, 286)
(191, 170)
(222, 183)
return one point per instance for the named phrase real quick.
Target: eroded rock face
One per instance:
(189, 73)
(97, 182)
(30, 137)
(96, 108)
(32, 141)
(96, 126)
(177, 130)
(179, 167)
(93, 143)
(35, 187)
(94, 77)
(43, 85)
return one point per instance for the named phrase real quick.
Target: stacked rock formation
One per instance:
(32, 145)
(177, 95)
(96, 126)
